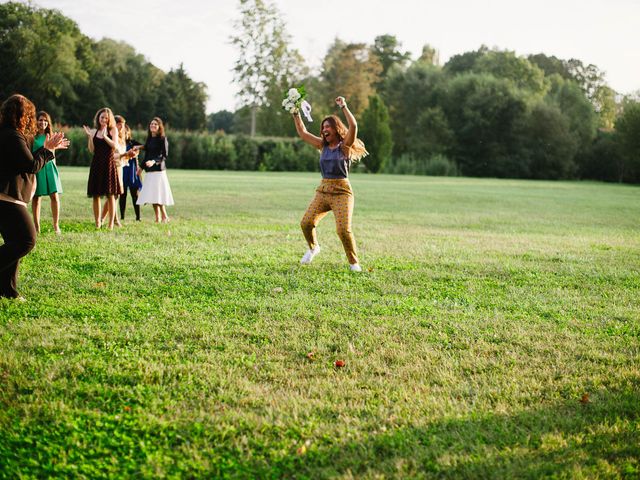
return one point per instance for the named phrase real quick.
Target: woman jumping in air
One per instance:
(339, 148)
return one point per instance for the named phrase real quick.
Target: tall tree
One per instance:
(464, 62)
(38, 56)
(548, 146)
(628, 139)
(486, 113)
(181, 101)
(376, 134)
(265, 60)
(429, 55)
(507, 65)
(550, 65)
(409, 94)
(351, 70)
(220, 120)
(387, 49)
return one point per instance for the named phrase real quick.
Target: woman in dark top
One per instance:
(18, 166)
(130, 177)
(339, 147)
(156, 188)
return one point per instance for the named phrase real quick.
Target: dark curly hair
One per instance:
(19, 112)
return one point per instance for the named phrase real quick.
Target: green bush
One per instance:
(440, 166)
(204, 151)
(437, 165)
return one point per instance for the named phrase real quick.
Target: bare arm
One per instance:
(89, 133)
(309, 138)
(351, 121)
(113, 141)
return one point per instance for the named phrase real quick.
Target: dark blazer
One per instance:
(156, 149)
(18, 165)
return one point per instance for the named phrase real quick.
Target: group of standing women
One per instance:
(28, 171)
(114, 168)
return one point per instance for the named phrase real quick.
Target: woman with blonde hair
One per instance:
(18, 166)
(121, 147)
(339, 147)
(48, 179)
(104, 176)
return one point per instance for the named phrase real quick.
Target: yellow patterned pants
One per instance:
(332, 195)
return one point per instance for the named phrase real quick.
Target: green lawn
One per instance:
(487, 310)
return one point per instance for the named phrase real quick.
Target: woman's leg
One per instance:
(134, 199)
(163, 212)
(316, 211)
(35, 207)
(96, 211)
(123, 202)
(111, 200)
(342, 206)
(19, 234)
(55, 211)
(105, 210)
(156, 210)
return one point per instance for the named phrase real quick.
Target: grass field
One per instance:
(494, 333)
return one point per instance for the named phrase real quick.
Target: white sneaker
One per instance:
(355, 267)
(308, 256)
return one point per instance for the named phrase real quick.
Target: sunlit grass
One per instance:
(487, 310)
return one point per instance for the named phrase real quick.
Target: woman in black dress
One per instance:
(104, 173)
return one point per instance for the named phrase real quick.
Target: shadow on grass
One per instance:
(566, 440)
(563, 440)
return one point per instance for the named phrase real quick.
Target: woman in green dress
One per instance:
(47, 179)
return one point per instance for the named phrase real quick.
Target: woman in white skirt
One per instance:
(156, 189)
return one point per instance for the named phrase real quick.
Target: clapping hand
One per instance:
(87, 130)
(341, 102)
(56, 141)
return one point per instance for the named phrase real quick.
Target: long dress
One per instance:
(156, 189)
(47, 179)
(104, 174)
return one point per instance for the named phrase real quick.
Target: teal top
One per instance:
(38, 141)
(47, 179)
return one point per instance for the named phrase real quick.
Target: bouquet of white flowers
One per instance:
(294, 101)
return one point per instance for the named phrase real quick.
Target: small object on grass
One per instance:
(339, 363)
(278, 290)
(303, 448)
(585, 399)
(311, 355)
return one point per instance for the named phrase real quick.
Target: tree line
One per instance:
(487, 112)
(46, 57)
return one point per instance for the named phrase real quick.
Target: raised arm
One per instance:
(28, 162)
(307, 137)
(351, 121)
(113, 141)
(89, 133)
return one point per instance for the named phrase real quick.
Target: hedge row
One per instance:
(192, 150)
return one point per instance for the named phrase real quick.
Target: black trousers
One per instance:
(134, 198)
(19, 235)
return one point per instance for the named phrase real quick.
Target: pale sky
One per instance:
(196, 33)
